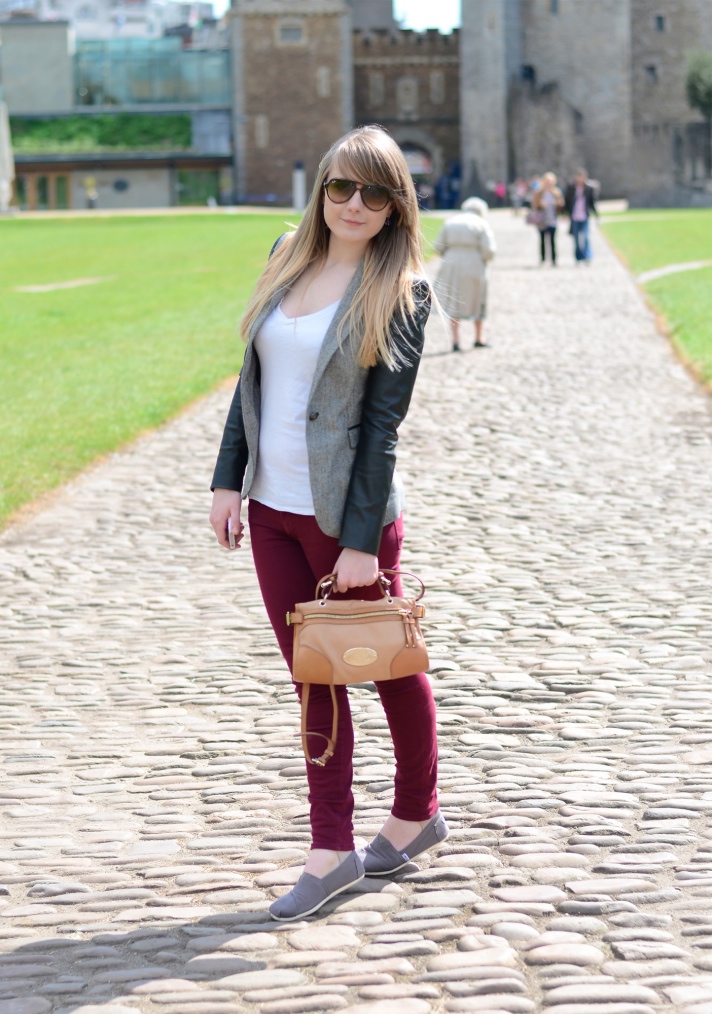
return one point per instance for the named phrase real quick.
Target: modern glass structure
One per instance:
(121, 72)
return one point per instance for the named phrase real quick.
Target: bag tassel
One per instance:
(330, 741)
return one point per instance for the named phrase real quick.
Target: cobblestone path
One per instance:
(152, 798)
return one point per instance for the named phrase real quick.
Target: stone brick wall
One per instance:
(409, 83)
(483, 93)
(585, 48)
(664, 169)
(544, 132)
(664, 32)
(292, 85)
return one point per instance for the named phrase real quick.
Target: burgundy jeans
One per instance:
(291, 553)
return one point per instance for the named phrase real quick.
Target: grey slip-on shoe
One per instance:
(381, 858)
(310, 893)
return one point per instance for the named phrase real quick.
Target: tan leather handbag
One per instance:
(341, 641)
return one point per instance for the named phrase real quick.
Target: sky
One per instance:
(421, 14)
(416, 14)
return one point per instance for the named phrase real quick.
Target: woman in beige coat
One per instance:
(467, 244)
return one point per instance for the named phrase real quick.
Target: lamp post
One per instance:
(299, 187)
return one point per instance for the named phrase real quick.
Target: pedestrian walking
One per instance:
(549, 201)
(334, 331)
(580, 204)
(467, 245)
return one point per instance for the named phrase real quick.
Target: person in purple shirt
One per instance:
(580, 204)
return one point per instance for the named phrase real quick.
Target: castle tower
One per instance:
(483, 92)
(293, 90)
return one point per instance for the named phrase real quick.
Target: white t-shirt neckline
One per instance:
(304, 316)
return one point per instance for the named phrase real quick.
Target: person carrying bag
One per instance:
(335, 331)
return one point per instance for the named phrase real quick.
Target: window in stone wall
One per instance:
(660, 25)
(554, 6)
(437, 86)
(291, 32)
(407, 97)
(261, 130)
(651, 74)
(376, 88)
(323, 82)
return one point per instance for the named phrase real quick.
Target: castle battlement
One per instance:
(380, 45)
(384, 40)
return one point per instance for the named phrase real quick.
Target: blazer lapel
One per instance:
(331, 339)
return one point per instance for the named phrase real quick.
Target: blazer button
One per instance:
(313, 416)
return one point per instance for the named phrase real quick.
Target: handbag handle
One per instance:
(327, 584)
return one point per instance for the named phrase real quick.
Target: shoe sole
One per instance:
(387, 873)
(301, 915)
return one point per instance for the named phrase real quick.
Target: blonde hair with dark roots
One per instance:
(393, 259)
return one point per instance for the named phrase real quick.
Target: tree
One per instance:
(699, 93)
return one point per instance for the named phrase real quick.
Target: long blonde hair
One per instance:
(393, 258)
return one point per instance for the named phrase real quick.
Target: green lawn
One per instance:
(653, 239)
(431, 228)
(87, 369)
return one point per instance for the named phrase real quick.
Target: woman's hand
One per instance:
(355, 569)
(227, 503)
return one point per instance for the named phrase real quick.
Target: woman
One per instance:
(467, 244)
(334, 334)
(549, 200)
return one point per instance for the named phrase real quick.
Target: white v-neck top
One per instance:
(288, 350)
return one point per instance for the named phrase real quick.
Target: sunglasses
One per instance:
(374, 198)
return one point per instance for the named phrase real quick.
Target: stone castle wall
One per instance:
(544, 132)
(525, 86)
(409, 83)
(293, 91)
(483, 93)
(663, 35)
(667, 159)
(585, 49)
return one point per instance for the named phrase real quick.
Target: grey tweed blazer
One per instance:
(352, 417)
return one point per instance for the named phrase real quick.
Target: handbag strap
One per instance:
(330, 740)
(327, 583)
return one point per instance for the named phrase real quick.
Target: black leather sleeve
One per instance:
(232, 456)
(386, 401)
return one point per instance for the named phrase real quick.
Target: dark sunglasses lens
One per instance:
(340, 191)
(375, 198)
